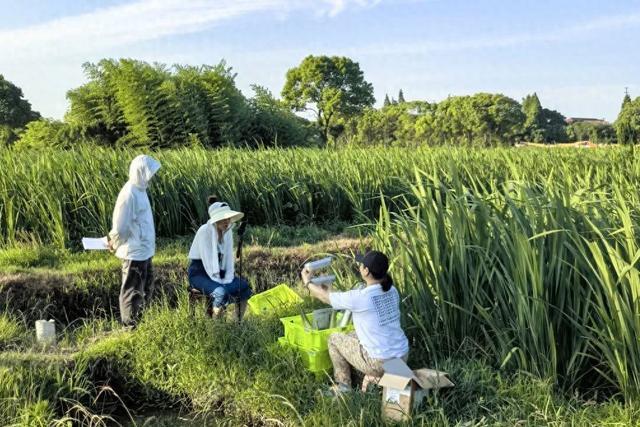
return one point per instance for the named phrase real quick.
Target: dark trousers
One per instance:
(221, 294)
(136, 291)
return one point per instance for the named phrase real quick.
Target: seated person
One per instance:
(211, 270)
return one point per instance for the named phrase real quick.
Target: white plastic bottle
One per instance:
(323, 280)
(319, 264)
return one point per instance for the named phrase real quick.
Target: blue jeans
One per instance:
(221, 294)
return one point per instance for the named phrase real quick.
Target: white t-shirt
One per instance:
(376, 317)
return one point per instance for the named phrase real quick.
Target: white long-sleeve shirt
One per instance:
(206, 247)
(133, 234)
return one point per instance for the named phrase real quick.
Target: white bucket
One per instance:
(322, 318)
(46, 331)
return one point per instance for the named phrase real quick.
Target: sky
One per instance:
(579, 56)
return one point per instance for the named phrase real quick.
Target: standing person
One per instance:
(375, 308)
(133, 239)
(212, 266)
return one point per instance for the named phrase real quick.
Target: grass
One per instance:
(82, 285)
(12, 331)
(34, 257)
(181, 367)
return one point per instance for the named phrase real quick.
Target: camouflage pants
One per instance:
(136, 291)
(346, 351)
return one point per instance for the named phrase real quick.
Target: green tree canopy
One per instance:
(627, 124)
(129, 102)
(482, 119)
(401, 97)
(45, 133)
(15, 111)
(332, 87)
(390, 125)
(542, 124)
(598, 133)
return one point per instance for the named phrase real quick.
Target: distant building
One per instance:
(570, 120)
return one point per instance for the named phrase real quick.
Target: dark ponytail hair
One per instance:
(386, 282)
(212, 199)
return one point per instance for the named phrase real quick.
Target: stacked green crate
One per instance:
(278, 298)
(311, 343)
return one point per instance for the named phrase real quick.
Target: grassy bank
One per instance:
(181, 367)
(47, 282)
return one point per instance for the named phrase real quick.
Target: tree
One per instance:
(7, 136)
(628, 122)
(483, 119)
(542, 124)
(274, 124)
(386, 102)
(553, 126)
(332, 87)
(129, 102)
(532, 110)
(598, 133)
(623, 126)
(401, 97)
(44, 133)
(15, 111)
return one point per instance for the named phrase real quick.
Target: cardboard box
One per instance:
(404, 389)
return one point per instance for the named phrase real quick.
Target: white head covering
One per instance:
(221, 210)
(142, 169)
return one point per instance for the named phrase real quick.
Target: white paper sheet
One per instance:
(95, 244)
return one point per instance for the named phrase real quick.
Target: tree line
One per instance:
(128, 102)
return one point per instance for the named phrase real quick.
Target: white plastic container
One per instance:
(321, 318)
(319, 264)
(46, 331)
(345, 319)
(323, 280)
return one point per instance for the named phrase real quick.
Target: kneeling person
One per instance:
(375, 308)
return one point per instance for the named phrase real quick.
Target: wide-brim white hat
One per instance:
(220, 210)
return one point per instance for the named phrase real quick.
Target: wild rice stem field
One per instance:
(526, 260)
(57, 197)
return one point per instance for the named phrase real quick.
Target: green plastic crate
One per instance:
(313, 360)
(274, 299)
(295, 333)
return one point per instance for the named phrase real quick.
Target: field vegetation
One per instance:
(518, 271)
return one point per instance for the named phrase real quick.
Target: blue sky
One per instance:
(577, 55)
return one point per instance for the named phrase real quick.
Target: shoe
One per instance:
(337, 390)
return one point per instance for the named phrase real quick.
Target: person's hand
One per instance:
(110, 246)
(306, 276)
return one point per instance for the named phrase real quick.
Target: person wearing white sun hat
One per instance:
(212, 269)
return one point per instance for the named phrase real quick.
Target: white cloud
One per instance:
(568, 33)
(144, 20)
(338, 6)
